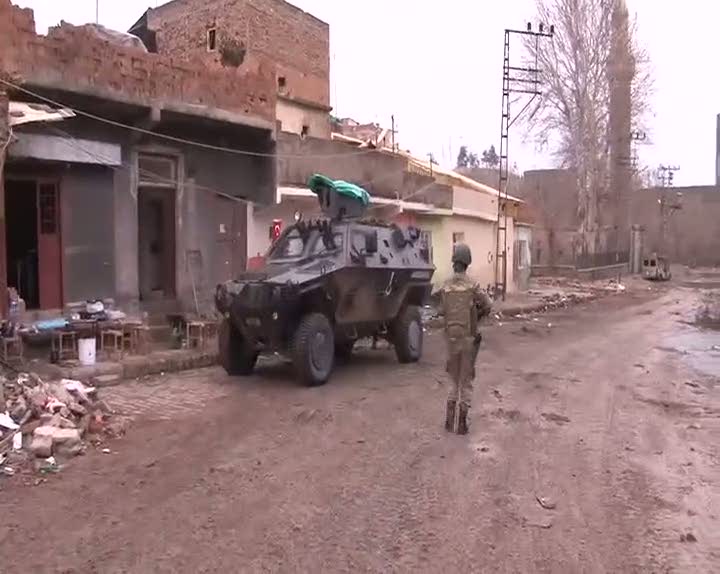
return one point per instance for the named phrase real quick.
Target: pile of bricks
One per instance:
(48, 419)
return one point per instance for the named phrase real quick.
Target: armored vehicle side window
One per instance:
(320, 247)
(288, 247)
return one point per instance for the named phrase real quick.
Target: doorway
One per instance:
(156, 243)
(33, 244)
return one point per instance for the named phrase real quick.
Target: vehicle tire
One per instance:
(314, 349)
(235, 356)
(344, 349)
(407, 335)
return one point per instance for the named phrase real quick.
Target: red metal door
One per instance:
(49, 247)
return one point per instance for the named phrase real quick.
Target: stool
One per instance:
(12, 348)
(140, 339)
(195, 334)
(115, 338)
(64, 345)
(211, 330)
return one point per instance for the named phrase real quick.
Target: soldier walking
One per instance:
(464, 304)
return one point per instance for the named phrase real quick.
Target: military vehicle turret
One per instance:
(325, 285)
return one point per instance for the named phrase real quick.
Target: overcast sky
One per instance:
(437, 66)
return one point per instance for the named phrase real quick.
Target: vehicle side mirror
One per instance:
(371, 242)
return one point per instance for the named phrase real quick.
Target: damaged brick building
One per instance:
(100, 205)
(222, 32)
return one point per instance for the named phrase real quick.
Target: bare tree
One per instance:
(595, 90)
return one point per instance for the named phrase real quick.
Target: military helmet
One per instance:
(462, 254)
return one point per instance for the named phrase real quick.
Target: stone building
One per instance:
(95, 206)
(225, 33)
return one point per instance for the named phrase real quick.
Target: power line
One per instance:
(73, 142)
(179, 140)
(128, 167)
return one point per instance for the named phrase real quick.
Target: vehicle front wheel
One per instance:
(314, 349)
(236, 357)
(407, 335)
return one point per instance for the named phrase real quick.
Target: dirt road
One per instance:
(593, 448)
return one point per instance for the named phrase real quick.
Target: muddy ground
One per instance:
(593, 448)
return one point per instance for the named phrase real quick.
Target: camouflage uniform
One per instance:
(464, 302)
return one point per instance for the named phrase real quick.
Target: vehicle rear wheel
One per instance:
(407, 335)
(314, 349)
(236, 357)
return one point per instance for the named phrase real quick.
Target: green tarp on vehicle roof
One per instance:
(318, 181)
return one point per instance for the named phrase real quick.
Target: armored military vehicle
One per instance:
(325, 285)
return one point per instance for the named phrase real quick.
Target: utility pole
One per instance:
(392, 131)
(97, 11)
(667, 174)
(524, 81)
(666, 210)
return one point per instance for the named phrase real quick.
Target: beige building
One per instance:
(472, 220)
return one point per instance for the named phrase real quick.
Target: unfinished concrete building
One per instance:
(224, 33)
(95, 206)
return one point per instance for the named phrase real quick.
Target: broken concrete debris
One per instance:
(54, 417)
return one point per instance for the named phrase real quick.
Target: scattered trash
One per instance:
(48, 466)
(17, 441)
(555, 418)
(689, 537)
(106, 451)
(8, 471)
(7, 422)
(544, 524)
(545, 503)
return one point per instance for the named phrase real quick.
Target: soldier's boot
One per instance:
(462, 419)
(450, 416)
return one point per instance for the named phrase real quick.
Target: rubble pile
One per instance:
(48, 419)
(708, 314)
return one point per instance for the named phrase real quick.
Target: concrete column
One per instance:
(636, 249)
(4, 142)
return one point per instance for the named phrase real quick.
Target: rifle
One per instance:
(476, 350)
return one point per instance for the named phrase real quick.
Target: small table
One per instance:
(116, 339)
(139, 339)
(195, 334)
(12, 348)
(64, 344)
